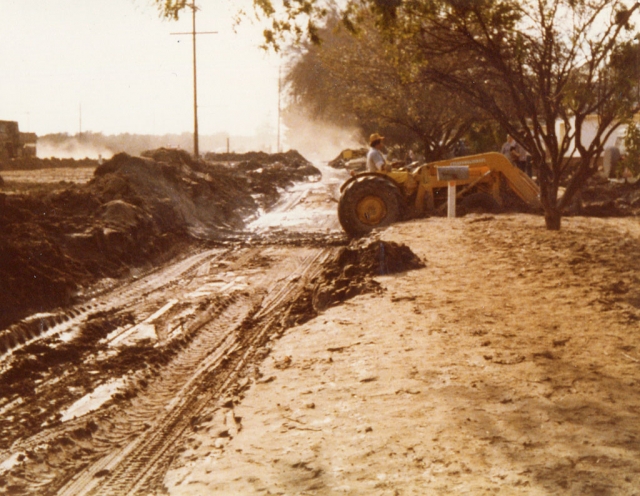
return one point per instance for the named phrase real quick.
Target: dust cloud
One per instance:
(72, 148)
(319, 140)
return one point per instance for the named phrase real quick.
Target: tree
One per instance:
(375, 82)
(530, 65)
(632, 149)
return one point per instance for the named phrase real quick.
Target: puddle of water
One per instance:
(93, 400)
(11, 462)
(302, 207)
(207, 289)
(144, 330)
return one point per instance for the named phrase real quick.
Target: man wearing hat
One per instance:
(375, 159)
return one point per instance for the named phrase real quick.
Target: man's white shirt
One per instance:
(375, 160)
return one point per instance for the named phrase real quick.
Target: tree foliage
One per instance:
(632, 149)
(286, 20)
(376, 83)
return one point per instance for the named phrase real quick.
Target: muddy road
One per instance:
(101, 393)
(507, 361)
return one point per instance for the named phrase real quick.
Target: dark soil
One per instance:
(134, 213)
(266, 173)
(603, 198)
(351, 273)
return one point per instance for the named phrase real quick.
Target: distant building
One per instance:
(14, 144)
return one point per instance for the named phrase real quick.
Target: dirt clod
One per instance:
(351, 273)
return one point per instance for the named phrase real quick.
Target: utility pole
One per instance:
(193, 33)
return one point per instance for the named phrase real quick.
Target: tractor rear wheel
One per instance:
(367, 203)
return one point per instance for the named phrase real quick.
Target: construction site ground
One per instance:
(475, 355)
(509, 364)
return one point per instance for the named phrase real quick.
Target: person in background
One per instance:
(411, 157)
(610, 160)
(460, 149)
(515, 153)
(528, 164)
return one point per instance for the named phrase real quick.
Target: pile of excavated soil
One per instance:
(135, 212)
(289, 158)
(174, 193)
(604, 198)
(267, 173)
(351, 273)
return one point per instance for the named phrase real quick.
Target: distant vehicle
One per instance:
(14, 144)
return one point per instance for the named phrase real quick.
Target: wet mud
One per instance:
(350, 273)
(134, 213)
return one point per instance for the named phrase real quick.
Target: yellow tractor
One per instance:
(377, 199)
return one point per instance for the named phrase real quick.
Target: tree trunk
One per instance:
(552, 218)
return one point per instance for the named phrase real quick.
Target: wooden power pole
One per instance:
(193, 33)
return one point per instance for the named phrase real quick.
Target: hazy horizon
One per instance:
(115, 67)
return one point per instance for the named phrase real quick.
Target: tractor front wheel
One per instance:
(368, 203)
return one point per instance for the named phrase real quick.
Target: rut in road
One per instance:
(138, 467)
(213, 312)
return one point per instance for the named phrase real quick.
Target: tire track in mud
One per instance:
(140, 465)
(118, 449)
(213, 313)
(46, 325)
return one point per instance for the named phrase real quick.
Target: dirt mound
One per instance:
(169, 155)
(54, 244)
(266, 174)
(135, 212)
(351, 272)
(604, 198)
(290, 157)
(176, 195)
(366, 258)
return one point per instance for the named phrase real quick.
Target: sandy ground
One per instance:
(510, 364)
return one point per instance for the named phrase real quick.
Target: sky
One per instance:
(113, 66)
